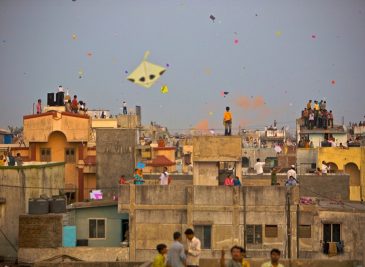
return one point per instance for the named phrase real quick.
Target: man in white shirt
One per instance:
(292, 172)
(325, 168)
(258, 167)
(193, 249)
(292, 176)
(164, 177)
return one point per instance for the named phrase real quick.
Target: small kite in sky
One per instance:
(146, 74)
(278, 33)
(333, 82)
(224, 93)
(212, 17)
(164, 89)
(74, 36)
(81, 73)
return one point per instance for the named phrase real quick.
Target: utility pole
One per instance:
(298, 223)
(244, 188)
(288, 229)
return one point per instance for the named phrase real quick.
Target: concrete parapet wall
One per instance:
(90, 254)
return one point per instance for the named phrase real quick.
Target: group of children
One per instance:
(7, 159)
(317, 116)
(137, 178)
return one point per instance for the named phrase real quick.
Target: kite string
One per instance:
(146, 54)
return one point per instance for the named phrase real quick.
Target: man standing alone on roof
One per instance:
(227, 120)
(164, 177)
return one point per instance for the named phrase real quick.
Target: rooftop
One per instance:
(161, 161)
(92, 204)
(336, 129)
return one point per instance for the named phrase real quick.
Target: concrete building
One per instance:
(267, 138)
(115, 155)
(256, 217)
(17, 185)
(221, 216)
(214, 157)
(318, 136)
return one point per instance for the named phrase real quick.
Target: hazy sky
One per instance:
(285, 53)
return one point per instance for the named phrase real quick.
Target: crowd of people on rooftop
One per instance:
(72, 106)
(317, 116)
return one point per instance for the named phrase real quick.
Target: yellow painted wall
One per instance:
(341, 157)
(104, 123)
(75, 127)
(57, 143)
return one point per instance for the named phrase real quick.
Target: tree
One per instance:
(15, 131)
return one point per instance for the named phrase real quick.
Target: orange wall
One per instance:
(89, 183)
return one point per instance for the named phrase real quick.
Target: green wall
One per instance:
(113, 224)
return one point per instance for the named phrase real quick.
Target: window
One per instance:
(254, 234)
(70, 155)
(97, 228)
(271, 231)
(245, 162)
(305, 231)
(204, 233)
(331, 232)
(46, 154)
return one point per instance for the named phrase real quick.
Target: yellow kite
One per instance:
(164, 89)
(146, 74)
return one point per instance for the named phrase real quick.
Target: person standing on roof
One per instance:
(227, 120)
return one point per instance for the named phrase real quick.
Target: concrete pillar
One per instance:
(236, 212)
(80, 184)
(81, 173)
(132, 222)
(239, 170)
(190, 205)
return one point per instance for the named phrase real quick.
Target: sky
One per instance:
(271, 56)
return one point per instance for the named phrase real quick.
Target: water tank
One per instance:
(38, 206)
(57, 205)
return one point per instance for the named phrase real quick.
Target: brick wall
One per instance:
(40, 231)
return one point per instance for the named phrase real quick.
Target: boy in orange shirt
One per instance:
(227, 120)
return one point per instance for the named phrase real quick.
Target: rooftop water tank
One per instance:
(57, 205)
(38, 206)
